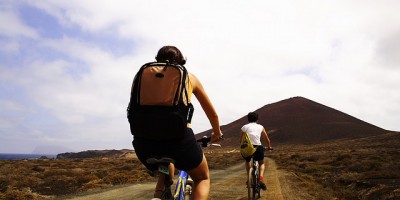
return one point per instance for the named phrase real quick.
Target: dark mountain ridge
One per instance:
(96, 154)
(299, 120)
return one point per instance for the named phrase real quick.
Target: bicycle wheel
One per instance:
(257, 187)
(250, 184)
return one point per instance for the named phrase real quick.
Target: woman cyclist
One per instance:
(187, 154)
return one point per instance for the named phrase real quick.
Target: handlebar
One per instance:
(205, 141)
(268, 148)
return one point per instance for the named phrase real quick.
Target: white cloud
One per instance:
(9, 46)
(247, 54)
(11, 26)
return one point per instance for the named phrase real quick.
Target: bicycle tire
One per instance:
(257, 187)
(253, 183)
(250, 184)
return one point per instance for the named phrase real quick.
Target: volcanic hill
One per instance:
(299, 120)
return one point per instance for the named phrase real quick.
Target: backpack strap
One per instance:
(135, 93)
(183, 85)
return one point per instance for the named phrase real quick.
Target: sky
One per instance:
(66, 66)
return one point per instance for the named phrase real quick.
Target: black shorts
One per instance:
(186, 152)
(258, 154)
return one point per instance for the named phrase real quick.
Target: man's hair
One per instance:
(252, 117)
(170, 54)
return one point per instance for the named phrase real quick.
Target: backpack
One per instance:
(246, 147)
(159, 106)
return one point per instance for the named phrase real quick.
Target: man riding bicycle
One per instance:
(255, 132)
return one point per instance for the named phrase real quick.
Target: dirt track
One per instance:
(225, 184)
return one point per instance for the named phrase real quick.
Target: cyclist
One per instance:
(187, 154)
(255, 132)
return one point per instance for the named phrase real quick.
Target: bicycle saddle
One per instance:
(162, 160)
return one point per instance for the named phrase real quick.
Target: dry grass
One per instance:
(343, 169)
(47, 178)
(51, 178)
(346, 169)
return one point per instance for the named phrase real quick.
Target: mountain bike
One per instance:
(183, 189)
(253, 180)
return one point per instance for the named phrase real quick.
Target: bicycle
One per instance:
(253, 180)
(184, 186)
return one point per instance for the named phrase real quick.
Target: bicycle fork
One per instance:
(183, 181)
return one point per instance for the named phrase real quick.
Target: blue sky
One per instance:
(66, 67)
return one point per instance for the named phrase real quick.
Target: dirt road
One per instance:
(225, 184)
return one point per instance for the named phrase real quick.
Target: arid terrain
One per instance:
(319, 153)
(226, 183)
(364, 168)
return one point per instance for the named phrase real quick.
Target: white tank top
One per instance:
(254, 130)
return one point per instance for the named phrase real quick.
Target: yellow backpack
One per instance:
(246, 147)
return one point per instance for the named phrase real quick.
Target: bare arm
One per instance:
(265, 135)
(241, 136)
(207, 106)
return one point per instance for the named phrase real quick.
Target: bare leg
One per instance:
(261, 167)
(247, 167)
(201, 179)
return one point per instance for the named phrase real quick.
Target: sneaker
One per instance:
(263, 186)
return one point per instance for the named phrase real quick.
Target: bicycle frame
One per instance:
(183, 188)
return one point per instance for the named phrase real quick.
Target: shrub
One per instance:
(343, 157)
(93, 184)
(116, 179)
(3, 184)
(58, 185)
(22, 194)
